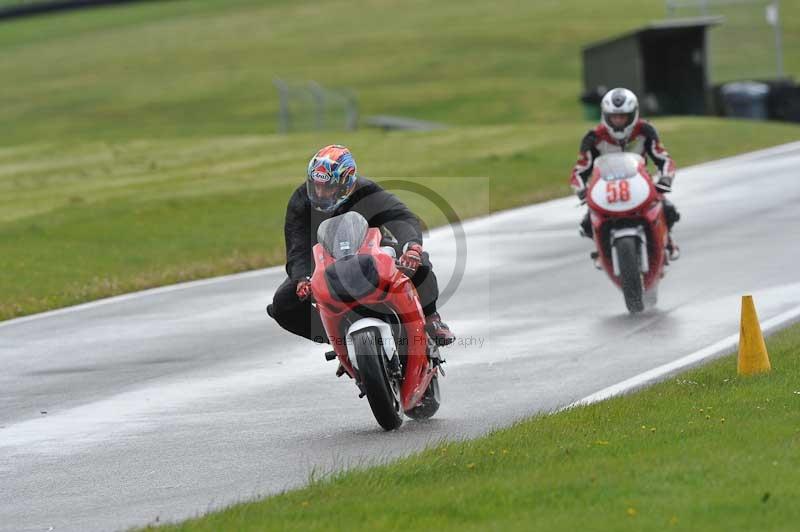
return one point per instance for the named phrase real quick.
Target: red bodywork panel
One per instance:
(654, 194)
(395, 291)
(651, 214)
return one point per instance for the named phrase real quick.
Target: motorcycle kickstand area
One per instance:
(435, 357)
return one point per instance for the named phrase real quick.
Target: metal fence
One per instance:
(309, 106)
(748, 44)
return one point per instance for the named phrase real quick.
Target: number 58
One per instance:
(618, 191)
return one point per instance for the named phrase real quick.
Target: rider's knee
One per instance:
(275, 312)
(671, 213)
(281, 311)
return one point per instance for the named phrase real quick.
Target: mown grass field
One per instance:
(138, 145)
(707, 450)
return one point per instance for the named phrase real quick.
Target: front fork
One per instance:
(639, 233)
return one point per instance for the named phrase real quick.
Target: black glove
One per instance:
(664, 184)
(581, 194)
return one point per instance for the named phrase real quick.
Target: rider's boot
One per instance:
(438, 330)
(585, 227)
(673, 249)
(340, 370)
(596, 259)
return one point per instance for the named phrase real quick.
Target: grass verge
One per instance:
(707, 450)
(80, 221)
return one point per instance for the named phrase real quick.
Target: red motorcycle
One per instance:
(629, 227)
(374, 321)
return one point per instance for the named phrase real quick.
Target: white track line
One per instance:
(142, 293)
(715, 350)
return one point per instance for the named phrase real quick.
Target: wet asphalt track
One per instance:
(181, 400)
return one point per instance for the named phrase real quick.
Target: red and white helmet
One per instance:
(620, 112)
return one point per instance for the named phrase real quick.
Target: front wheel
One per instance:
(383, 391)
(630, 274)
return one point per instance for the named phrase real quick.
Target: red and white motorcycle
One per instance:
(629, 227)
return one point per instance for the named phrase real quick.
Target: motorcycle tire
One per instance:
(383, 391)
(630, 274)
(429, 403)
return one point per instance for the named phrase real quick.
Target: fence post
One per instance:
(319, 104)
(351, 111)
(776, 5)
(284, 118)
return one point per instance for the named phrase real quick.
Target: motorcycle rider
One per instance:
(621, 130)
(333, 187)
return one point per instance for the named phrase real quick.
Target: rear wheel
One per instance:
(630, 274)
(383, 390)
(429, 403)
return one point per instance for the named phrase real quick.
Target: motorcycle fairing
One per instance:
(394, 291)
(648, 216)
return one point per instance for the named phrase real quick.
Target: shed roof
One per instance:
(661, 25)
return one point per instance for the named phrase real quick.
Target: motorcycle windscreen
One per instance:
(342, 235)
(352, 278)
(618, 165)
(620, 186)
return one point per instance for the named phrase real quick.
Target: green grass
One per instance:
(205, 67)
(202, 67)
(707, 450)
(79, 221)
(138, 143)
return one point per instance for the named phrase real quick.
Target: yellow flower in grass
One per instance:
(631, 512)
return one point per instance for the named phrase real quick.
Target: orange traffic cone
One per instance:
(753, 357)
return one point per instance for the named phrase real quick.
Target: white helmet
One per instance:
(618, 102)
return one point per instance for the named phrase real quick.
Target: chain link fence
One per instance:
(311, 107)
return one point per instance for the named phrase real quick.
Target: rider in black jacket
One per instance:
(332, 188)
